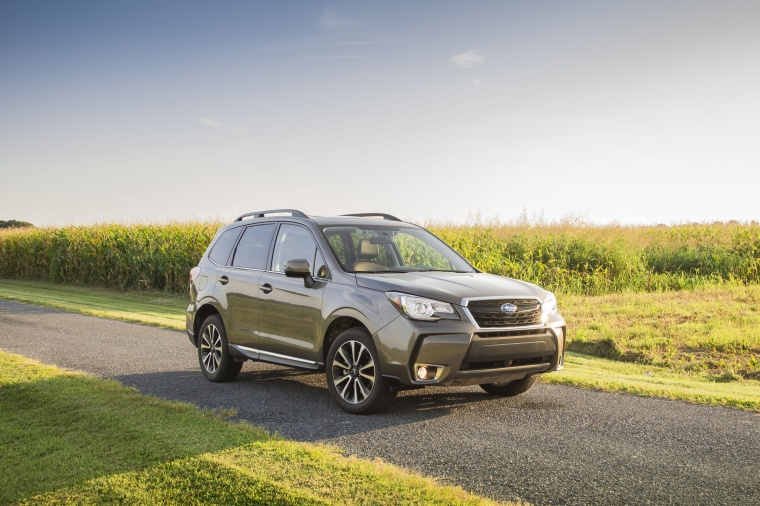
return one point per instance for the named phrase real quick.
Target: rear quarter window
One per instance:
(222, 248)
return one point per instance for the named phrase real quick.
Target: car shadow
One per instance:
(296, 403)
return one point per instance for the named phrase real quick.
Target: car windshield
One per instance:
(384, 248)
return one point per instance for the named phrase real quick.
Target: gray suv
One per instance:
(380, 305)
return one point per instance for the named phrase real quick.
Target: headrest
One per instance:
(367, 250)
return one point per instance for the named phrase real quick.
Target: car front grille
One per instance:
(489, 315)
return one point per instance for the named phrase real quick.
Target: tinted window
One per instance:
(253, 248)
(293, 242)
(223, 246)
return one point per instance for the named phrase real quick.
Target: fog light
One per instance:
(428, 372)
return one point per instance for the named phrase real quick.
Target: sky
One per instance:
(628, 112)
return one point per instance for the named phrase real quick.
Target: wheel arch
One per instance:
(201, 314)
(338, 322)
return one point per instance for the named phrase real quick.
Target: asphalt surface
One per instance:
(551, 445)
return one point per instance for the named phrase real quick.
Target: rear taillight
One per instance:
(194, 274)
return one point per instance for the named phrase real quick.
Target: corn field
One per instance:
(567, 259)
(601, 260)
(156, 257)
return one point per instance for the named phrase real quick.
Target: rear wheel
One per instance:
(214, 357)
(353, 374)
(510, 388)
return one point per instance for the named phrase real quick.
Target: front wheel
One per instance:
(510, 388)
(353, 374)
(216, 362)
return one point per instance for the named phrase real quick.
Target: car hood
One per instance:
(450, 287)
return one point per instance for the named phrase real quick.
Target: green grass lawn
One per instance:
(153, 308)
(711, 331)
(650, 381)
(70, 438)
(698, 346)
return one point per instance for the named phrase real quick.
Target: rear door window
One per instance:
(252, 251)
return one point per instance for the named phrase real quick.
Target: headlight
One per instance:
(419, 308)
(549, 307)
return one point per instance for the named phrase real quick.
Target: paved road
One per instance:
(552, 445)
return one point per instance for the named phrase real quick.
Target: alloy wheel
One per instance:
(353, 372)
(211, 348)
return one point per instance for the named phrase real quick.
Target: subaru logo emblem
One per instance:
(508, 308)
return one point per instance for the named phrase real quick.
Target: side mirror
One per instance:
(299, 268)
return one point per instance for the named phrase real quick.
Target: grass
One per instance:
(712, 332)
(150, 307)
(66, 437)
(698, 346)
(649, 381)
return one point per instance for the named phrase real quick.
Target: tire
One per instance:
(353, 374)
(215, 360)
(510, 388)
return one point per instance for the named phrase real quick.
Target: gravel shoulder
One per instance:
(552, 445)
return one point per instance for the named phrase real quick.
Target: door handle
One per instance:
(266, 288)
(224, 280)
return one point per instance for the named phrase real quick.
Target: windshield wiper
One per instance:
(378, 272)
(440, 270)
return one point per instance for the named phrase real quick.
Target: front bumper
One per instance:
(461, 353)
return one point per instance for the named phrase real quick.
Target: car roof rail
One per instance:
(262, 214)
(374, 215)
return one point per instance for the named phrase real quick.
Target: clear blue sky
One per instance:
(624, 111)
